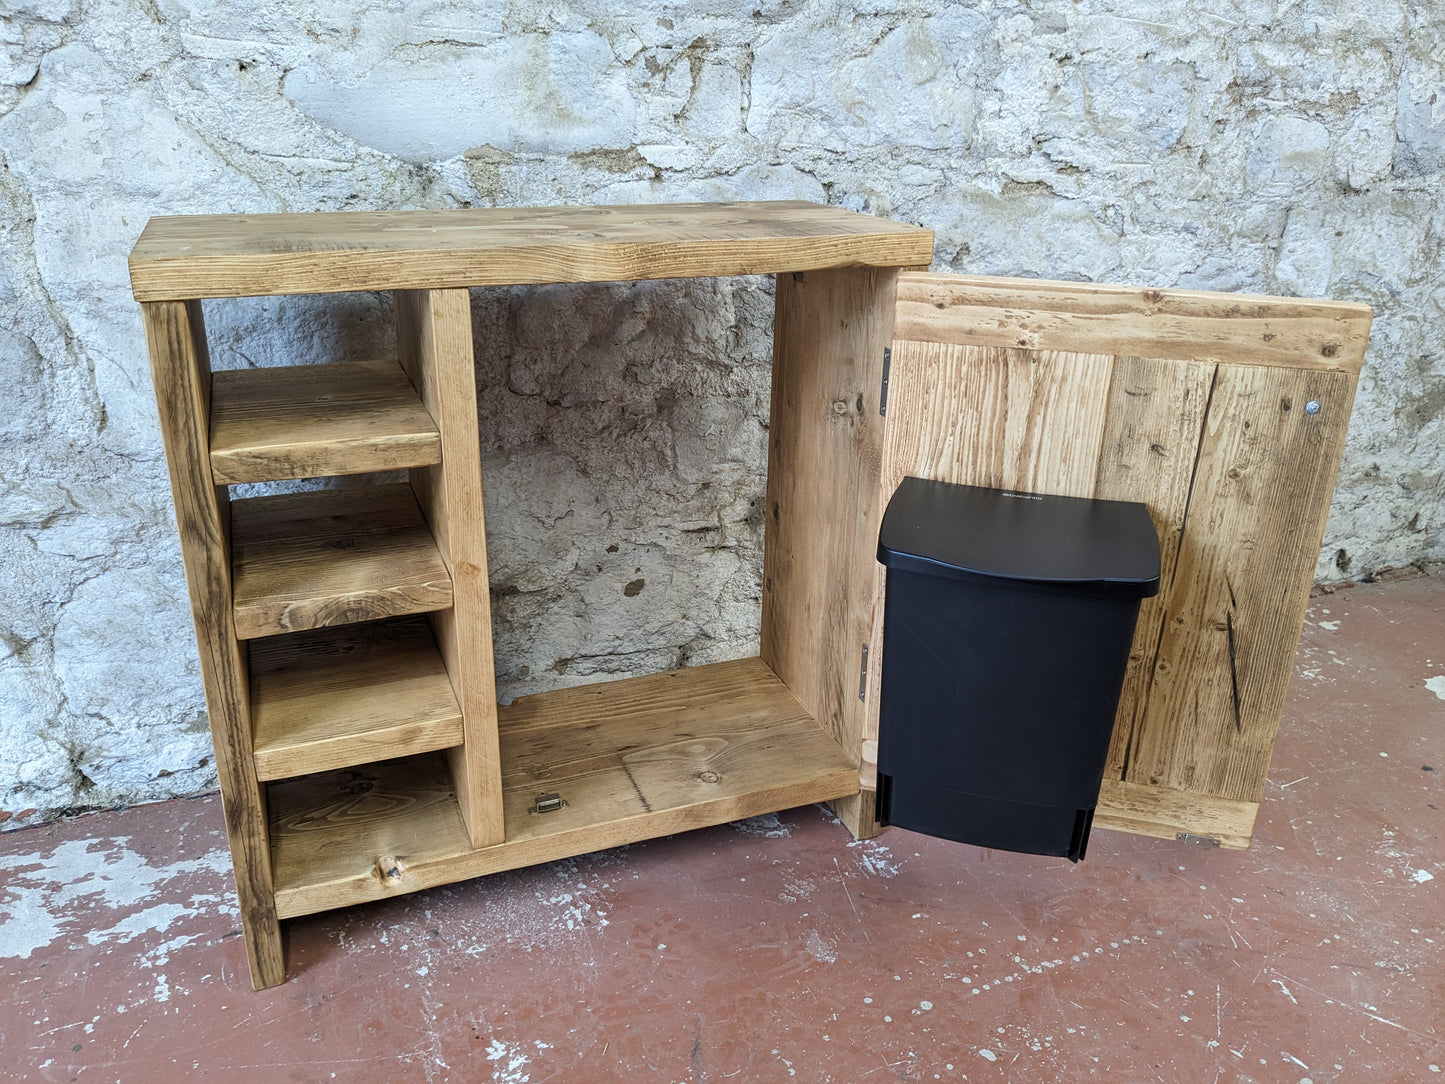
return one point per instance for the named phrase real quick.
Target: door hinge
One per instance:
(883, 395)
(1198, 841)
(863, 676)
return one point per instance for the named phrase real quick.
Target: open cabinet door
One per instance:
(1226, 416)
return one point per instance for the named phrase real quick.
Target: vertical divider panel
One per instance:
(180, 368)
(825, 453)
(434, 335)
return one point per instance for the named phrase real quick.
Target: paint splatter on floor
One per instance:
(49, 895)
(778, 949)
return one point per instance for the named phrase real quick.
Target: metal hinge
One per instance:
(1198, 841)
(883, 396)
(863, 676)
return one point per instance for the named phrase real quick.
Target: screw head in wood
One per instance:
(1312, 407)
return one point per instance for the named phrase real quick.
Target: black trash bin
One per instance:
(1006, 633)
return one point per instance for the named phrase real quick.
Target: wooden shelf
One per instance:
(338, 697)
(633, 759)
(306, 421)
(311, 560)
(242, 255)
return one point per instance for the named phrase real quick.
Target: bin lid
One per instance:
(966, 532)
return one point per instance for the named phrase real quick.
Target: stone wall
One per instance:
(1280, 147)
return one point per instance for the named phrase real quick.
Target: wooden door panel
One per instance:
(1151, 441)
(1192, 403)
(1236, 602)
(991, 416)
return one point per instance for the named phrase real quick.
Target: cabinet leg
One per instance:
(262, 930)
(176, 336)
(858, 814)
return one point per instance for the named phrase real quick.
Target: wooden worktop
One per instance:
(198, 256)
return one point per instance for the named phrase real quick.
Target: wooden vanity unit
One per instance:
(345, 635)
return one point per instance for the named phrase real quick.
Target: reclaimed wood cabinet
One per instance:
(345, 634)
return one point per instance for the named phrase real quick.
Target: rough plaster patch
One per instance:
(510, 1059)
(533, 92)
(824, 951)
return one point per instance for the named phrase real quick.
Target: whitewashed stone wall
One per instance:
(1281, 147)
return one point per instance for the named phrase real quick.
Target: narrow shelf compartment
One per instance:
(311, 560)
(307, 421)
(632, 760)
(338, 697)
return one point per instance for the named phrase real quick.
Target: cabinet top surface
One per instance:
(198, 256)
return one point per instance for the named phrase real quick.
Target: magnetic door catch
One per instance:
(547, 803)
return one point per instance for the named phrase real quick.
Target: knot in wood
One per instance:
(388, 870)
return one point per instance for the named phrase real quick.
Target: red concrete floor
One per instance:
(780, 950)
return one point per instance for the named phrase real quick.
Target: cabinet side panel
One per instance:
(434, 335)
(825, 452)
(180, 370)
(1151, 445)
(1234, 610)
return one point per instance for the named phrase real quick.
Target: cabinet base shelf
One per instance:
(633, 760)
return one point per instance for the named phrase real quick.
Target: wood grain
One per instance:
(434, 335)
(1037, 314)
(1006, 419)
(180, 369)
(334, 698)
(307, 421)
(1151, 439)
(240, 255)
(1175, 814)
(1242, 579)
(678, 740)
(311, 560)
(633, 759)
(824, 504)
